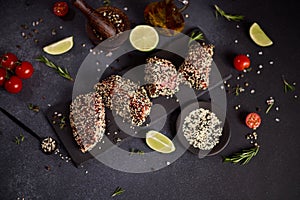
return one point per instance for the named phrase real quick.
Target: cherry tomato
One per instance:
(13, 85)
(253, 120)
(24, 70)
(9, 61)
(60, 8)
(2, 76)
(241, 62)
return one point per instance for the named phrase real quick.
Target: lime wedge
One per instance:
(59, 47)
(159, 142)
(259, 36)
(144, 38)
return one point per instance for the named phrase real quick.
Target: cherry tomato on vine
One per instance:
(60, 8)
(2, 76)
(13, 85)
(253, 120)
(241, 62)
(24, 70)
(9, 61)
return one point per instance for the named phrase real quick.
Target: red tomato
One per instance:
(9, 61)
(2, 76)
(253, 120)
(241, 62)
(60, 8)
(25, 70)
(13, 85)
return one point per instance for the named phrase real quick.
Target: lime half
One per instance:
(59, 47)
(259, 36)
(159, 142)
(144, 38)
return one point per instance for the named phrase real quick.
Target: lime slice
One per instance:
(59, 47)
(159, 142)
(259, 36)
(144, 38)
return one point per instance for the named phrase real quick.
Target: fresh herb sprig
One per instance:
(61, 71)
(196, 37)
(117, 191)
(34, 108)
(287, 87)
(106, 2)
(136, 151)
(19, 139)
(229, 17)
(243, 157)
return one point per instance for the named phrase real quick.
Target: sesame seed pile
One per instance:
(126, 98)
(197, 66)
(202, 129)
(87, 120)
(161, 77)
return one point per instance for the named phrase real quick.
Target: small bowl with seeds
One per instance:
(202, 128)
(118, 19)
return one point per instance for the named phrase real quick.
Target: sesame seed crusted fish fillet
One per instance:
(126, 98)
(197, 66)
(87, 120)
(161, 77)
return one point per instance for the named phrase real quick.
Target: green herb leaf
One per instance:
(287, 87)
(106, 2)
(63, 72)
(34, 108)
(229, 17)
(196, 37)
(136, 151)
(117, 191)
(242, 157)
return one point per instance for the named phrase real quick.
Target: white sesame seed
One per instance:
(91, 50)
(83, 44)
(186, 16)
(49, 105)
(277, 108)
(252, 91)
(260, 53)
(248, 55)
(271, 62)
(109, 54)
(277, 119)
(98, 70)
(222, 87)
(236, 41)
(107, 65)
(168, 163)
(294, 84)
(258, 72)
(295, 96)
(237, 26)
(260, 66)
(60, 27)
(125, 8)
(238, 78)
(86, 172)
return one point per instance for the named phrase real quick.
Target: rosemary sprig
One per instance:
(118, 191)
(196, 37)
(270, 103)
(229, 17)
(136, 151)
(34, 108)
(287, 87)
(238, 89)
(19, 139)
(242, 157)
(106, 2)
(61, 71)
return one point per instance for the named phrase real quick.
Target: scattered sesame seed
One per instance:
(236, 41)
(248, 55)
(107, 65)
(258, 72)
(271, 62)
(98, 70)
(49, 105)
(186, 16)
(277, 119)
(237, 26)
(109, 54)
(91, 50)
(23, 34)
(33, 23)
(177, 100)
(94, 53)
(99, 147)
(246, 84)
(238, 78)
(294, 84)
(242, 75)
(277, 108)
(295, 96)
(252, 91)
(108, 133)
(225, 82)
(260, 53)
(168, 163)
(125, 8)
(228, 85)
(60, 27)
(103, 142)
(260, 66)
(222, 87)
(83, 44)
(97, 63)
(86, 172)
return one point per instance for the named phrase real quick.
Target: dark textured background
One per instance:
(272, 174)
